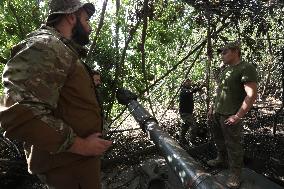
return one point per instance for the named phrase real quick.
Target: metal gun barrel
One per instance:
(190, 173)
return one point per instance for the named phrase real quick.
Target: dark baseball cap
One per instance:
(232, 45)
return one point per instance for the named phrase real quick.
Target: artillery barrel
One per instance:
(190, 173)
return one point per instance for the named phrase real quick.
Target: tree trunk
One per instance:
(100, 25)
(118, 82)
(143, 53)
(209, 62)
(269, 66)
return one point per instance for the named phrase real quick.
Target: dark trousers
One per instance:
(187, 124)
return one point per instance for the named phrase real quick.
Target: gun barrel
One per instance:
(190, 173)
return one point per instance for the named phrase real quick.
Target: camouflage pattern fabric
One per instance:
(50, 99)
(32, 82)
(69, 6)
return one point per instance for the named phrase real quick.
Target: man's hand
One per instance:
(93, 145)
(232, 120)
(251, 91)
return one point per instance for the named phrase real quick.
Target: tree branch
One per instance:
(186, 75)
(143, 53)
(100, 25)
(14, 12)
(120, 65)
(180, 62)
(185, 58)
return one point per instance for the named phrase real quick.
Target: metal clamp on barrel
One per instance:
(141, 115)
(126, 97)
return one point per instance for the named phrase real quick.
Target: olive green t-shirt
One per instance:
(231, 92)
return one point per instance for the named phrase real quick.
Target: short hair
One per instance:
(234, 46)
(54, 20)
(187, 79)
(96, 72)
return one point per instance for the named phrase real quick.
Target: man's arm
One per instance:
(251, 91)
(33, 79)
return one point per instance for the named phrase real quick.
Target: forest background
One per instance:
(151, 46)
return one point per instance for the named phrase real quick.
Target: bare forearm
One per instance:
(251, 91)
(246, 106)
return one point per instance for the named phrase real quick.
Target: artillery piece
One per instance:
(189, 172)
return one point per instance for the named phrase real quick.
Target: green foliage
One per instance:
(1, 85)
(16, 25)
(174, 28)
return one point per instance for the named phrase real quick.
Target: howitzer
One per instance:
(189, 172)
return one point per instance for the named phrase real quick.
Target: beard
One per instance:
(79, 35)
(98, 85)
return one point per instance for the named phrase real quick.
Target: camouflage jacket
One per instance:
(50, 98)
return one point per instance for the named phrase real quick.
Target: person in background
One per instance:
(186, 107)
(236, 93)
(97, 78)
(50, 102)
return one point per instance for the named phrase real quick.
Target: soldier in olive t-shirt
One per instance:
(236, 93)
(231, 92)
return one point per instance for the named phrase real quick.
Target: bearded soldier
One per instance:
(51, 103)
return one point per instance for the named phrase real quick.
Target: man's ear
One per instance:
(71, 19)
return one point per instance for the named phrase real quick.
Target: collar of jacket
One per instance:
(79, 50)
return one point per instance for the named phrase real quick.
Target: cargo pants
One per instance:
(187, 125)
(228, 140)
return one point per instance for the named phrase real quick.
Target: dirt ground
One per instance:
(264, 152)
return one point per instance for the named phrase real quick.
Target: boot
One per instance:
(220, 161)
(234, 180)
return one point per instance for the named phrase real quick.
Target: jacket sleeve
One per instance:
(32, 82)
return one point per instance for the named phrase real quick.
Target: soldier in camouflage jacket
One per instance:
(51, 103)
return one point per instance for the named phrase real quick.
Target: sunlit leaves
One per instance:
(18, 18)
(174, 28)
